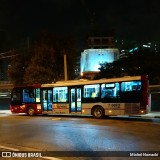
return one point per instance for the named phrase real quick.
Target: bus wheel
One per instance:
(98, 112)
(30, 111)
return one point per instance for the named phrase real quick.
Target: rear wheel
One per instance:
(30, 111)
(98, 112)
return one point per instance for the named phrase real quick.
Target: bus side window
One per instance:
(37, 94)
(131, 86)
(110, 90)
(91, 91)
(28, 95)
(60, 94)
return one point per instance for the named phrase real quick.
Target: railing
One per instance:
(6, 85)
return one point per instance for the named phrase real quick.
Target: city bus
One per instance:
(104, 97)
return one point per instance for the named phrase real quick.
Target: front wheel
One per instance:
(98, 112)
(30, 111)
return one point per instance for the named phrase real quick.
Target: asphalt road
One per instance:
(81, 134)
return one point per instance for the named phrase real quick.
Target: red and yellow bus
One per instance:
(104, 97)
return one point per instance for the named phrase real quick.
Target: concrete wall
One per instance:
(154, 94)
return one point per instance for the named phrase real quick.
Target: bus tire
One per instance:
(30, 111)
(98, 112)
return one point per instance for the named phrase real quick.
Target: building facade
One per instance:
(100, 42)
(99, 51)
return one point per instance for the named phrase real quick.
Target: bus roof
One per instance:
(29, 86)
(85, 81)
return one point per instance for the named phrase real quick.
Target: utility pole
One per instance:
(65, 68)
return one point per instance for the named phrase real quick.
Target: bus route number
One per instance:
(114, 105)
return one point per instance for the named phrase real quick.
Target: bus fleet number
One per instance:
(114, 105)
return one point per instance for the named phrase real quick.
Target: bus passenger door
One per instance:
(75, 100)
(47, 99)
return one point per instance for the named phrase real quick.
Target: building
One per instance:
(101, 42)
(128, 47)
(154, 98)
(99, 50)
(92, 58)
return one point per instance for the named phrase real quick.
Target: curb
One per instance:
(156, 116)
(149, 115)
(146, 116)
(5, 112)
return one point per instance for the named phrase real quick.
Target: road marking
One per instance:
(9, 148)
(54, 119)
(51, 158)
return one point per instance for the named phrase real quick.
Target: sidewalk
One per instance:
(149, 115)
(5, 112)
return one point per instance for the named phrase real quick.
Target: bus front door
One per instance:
(75, 100)
(47, 99)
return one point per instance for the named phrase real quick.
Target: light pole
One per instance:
(65, 68)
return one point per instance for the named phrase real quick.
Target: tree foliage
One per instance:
(45, 64)
(42, 66)
(144, 62)
(17, 67)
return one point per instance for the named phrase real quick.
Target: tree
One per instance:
(144, 62)
(41, 68)
(47, 62)
(17, 67)
(44, 63)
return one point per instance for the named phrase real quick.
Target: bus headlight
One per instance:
(22, 107)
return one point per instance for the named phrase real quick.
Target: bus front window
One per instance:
(16, 97)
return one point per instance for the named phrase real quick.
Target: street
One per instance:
(74, 133)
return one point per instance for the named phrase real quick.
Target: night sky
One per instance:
(137, 19)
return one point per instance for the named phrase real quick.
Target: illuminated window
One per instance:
(131, 86)
(60, 94)
(110, 90)
(28, 95)
(91, 91)
(37, 94)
